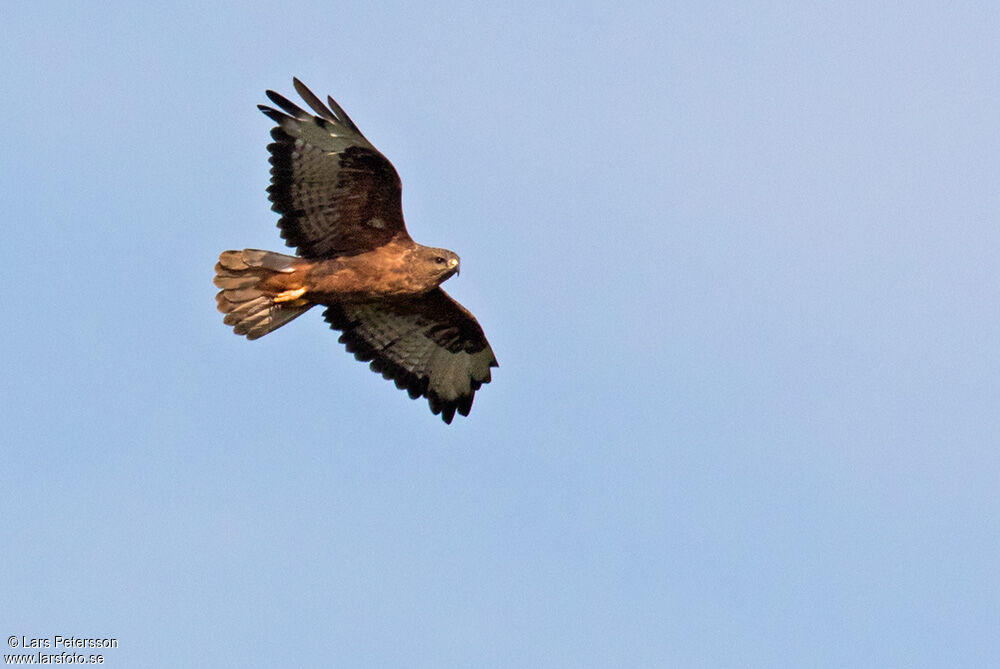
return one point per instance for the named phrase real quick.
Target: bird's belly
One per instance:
(333, 281)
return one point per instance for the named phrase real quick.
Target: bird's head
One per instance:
(438, 264)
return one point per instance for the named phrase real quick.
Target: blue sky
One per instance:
(738, 263)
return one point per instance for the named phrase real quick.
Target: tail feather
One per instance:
(241, 295)
(232, 280)
(239, 261)
(248, 308)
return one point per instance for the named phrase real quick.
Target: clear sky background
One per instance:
(738, 261)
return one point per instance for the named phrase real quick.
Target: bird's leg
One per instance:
(289, 295)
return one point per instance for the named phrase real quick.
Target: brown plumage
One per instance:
(340, 205)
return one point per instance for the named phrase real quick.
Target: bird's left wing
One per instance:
(337, 195)
(430, 346)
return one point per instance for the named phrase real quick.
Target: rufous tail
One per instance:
(249, 308)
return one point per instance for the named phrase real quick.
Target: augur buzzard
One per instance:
(340, 206)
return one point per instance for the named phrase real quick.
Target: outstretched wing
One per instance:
(337, 195)
(430, 346)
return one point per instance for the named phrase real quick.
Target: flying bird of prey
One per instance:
(341, 208)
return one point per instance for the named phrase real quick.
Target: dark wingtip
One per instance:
(273, 114)
(287, 105)
(313, 101)
(341, 114)
(448, 414)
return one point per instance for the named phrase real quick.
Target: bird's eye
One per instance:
(439, 260)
